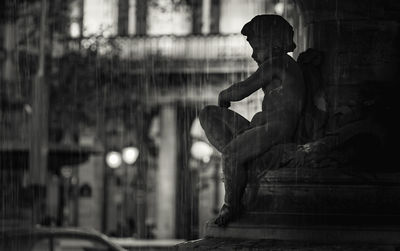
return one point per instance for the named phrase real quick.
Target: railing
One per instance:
(212, 47)
(212, 53)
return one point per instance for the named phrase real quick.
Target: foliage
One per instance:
(168, 5)
(79, 85)
(85, 85)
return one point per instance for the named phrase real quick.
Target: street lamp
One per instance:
(130, 155)
(114, 159)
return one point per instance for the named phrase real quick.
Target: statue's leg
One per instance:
(241, 152)
(235, 180)
(221, 125)
(259, 139)
(253, 168)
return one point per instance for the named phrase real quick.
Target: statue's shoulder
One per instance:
(281, 61)
(311, 57)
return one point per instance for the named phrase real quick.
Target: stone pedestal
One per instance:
(310, 209)
(326, 206)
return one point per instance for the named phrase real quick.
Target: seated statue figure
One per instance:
(241, 141)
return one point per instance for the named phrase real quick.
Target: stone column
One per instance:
(39, 148)
(123, 17)
(39, 132)
(360, 43)
(9, 69)
(215, 16)
(141, 17)
(197, 14)
(167, 172)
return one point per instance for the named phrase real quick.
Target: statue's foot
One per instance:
(226, 215)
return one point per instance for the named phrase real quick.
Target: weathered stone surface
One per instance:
(276, 245)
(332, 199)
(308, 234)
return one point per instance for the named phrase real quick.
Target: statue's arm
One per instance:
(263, 76)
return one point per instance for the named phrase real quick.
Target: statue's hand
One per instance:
(223, 99)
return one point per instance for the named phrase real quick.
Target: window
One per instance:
(166, 17)
(75, 15)
(100, 17)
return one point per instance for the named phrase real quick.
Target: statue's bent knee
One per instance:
(209, 110)
(207, 114)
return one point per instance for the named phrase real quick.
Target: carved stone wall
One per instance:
(360, 43)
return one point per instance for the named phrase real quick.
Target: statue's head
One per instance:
(269, 35)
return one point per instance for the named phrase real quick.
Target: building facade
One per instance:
(125, 73)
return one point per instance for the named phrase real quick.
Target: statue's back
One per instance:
(315, 112)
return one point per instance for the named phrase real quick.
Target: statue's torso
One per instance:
(284, 96)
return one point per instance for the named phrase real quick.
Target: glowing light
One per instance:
(74, 30)
(201, 151)
(206, 159)
(28, 108)
(113, 159)
(130, 154)
(279, 8)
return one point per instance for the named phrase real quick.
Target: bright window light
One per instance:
(74, 30)
(100, 17)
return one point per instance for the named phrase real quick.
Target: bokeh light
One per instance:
(201, 150)
(130, 155)
(113, 159)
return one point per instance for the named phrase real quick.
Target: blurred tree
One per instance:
(195, 8)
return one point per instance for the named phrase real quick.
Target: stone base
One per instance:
(299, 211)
(314, 209)
(328, 234)
(242, 235)
(276, 245)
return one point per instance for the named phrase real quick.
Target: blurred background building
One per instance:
(98, 110)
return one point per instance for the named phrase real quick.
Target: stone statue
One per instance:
(297, 127)
(240, 141)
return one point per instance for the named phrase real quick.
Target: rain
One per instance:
(99, 115)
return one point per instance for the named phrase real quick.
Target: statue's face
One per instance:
(261, 49)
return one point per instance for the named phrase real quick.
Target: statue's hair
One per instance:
(272, 28)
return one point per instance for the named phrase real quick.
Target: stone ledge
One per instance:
(276, 245)
(308, 234)
(342, 176)
(328, 198)
(361, 220)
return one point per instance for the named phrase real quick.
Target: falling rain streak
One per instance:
(99, 117)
